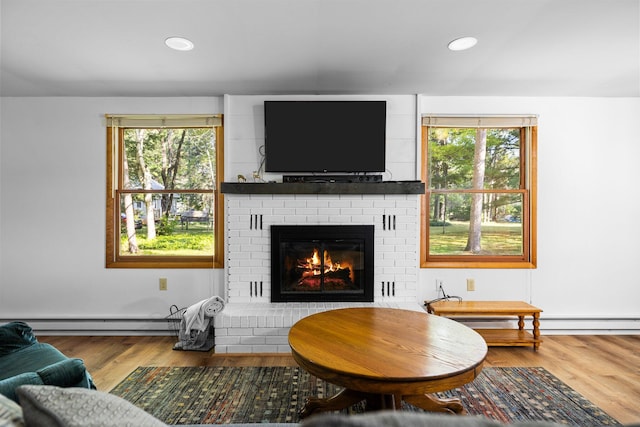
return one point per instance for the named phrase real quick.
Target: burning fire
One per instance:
(313, 267)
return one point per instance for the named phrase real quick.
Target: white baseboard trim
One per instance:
(551, 325)
(565, 325)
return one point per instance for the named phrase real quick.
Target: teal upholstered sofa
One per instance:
(24, 360)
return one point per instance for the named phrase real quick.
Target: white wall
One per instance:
(52, 216)
(586, 180)
(588, 204)
(244, 133)
(52, 209)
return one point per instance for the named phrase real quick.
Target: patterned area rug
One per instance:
(224, 395)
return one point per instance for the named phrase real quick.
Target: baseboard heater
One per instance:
(91, 326)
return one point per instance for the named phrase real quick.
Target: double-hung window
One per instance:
(164, 207)
(479, 210)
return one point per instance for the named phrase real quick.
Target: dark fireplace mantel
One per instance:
(385, 187)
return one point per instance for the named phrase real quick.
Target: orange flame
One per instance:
(314, 266)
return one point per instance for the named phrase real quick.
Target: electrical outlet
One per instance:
(471, 285)
(439, 283)
(163, 283)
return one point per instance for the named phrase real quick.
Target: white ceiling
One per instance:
(116, 47)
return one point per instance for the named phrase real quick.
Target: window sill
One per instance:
(479, 264)
(161, 264)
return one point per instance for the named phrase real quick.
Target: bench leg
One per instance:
(536, 330)
(521, 322)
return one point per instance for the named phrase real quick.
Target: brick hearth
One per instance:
(263, 327)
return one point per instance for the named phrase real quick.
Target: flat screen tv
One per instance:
(325, 136)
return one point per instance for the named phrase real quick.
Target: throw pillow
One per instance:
(10, 413)
(14, 336)
(51, 406)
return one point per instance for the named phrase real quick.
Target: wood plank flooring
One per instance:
(603, 368)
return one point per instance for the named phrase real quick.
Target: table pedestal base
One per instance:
(374, 402)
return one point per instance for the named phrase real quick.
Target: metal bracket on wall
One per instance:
(255, 222)
(389, 290)
(254, 288)
(388, 222)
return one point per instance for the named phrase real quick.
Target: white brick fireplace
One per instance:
(250, 322)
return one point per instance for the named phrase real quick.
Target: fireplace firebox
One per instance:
(322, 263)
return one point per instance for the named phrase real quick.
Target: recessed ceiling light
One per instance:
(462, 43)
(179, 43)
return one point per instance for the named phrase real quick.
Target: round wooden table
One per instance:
(385, 356)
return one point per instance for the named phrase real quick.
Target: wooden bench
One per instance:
(495, 337)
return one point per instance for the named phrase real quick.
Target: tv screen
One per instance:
(325, 136)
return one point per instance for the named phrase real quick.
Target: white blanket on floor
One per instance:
(197, 315)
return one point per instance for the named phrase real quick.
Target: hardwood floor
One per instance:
(603, 368)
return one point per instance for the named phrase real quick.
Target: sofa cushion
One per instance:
(10, 413)
(29, 359)
(8, 386)
(14, 336)
(51, 406)
(65, 373)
